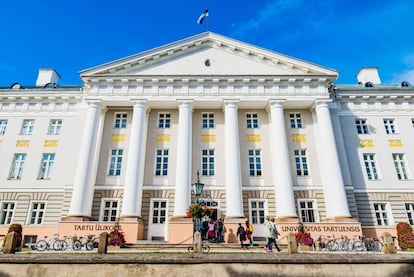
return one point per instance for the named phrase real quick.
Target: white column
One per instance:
(183, 164)
(83, 188)
(282, 175)
(334, 189)
(234, 197)
(134, 175)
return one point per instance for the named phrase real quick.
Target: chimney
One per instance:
(46, 76)
(368, 74)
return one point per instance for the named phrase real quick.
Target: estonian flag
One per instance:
(201, 18)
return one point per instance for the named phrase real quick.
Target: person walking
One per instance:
(275, 234)
(241, 234)
(249, 232)
(268, 232)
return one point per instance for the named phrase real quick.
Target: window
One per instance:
(164, 120)
(307, 210)
(37, 212)
(6, 213)
(389, 125)
(3, 126)
(207, 120)
(257, 212)
(27, 127)
(370, 166)
(207, 161)
(159, 211)
(17, 166)
(255, 165)
(54, 127)
(115, 162)
(400, 166)
(361, 125)
(412, 123)
(109, 210)
(301, 162)
(295, 120)
(47, 165)
(161, 163)
(120, 120)
(381, 214)
(409, 209)
(252, 121)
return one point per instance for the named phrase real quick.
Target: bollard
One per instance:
(197, 242)
(10, 243)
(292, 244)
(103, 243)
(389, 247)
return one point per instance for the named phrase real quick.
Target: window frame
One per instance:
(361, 126)
(115, 162)
(255, 162)
(409, 211)
(208, 120)
(164, 120)
(301, 162)
(306, 209)
(38, 210)
(6, 218)
(208, 162)
(46, 166)
(110, 209)
(162, 170)
(252, 120)
(55, 127)
(390, 126)
(3, 126)
(159, 211)
(121, 121)
(401, 165)
(295, 120)
(259, 218)
(27, 129)
(386, 211)
(17, 165)
(371, 166)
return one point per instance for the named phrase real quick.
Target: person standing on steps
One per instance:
(268, 232)
(241, 234)
(249, 232)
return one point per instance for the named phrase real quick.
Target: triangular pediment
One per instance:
(208, 54)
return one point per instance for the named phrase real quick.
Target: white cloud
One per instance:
(407, 75)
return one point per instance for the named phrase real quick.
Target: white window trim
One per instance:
(159, 117)
(120, 126)
(296, 120)
(412, 211)
(3, 127)
(252, 119)
(301, 163)
(388, 211)
(376, 167)
(406, 167)
(29, 215)
(368, 129)
(315, 209)
(109, 162)
(57, 127)
(208, 162)
(162, 163)
(265, 207)
(30, 129)
(14, 210)
(101, 211)
(255, 163)
(208, 120)
(18, 177)
(48, 172)
(152, 210)
(394, 124)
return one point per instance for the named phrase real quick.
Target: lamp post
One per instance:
(197, 190)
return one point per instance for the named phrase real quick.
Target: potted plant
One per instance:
(116, 237)
(198, 211)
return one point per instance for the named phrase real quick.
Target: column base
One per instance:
(341, 219)
(77, 218)
(182, 218)
(291, 219)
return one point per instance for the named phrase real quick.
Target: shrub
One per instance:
(196, 210)
(116, 237)
(405, 236)
(304, 238)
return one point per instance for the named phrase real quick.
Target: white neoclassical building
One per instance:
(269, 135)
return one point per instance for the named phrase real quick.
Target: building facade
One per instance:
(268, 134)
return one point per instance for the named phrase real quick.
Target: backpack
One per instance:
(250, 228)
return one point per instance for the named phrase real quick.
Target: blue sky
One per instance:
(74, 35)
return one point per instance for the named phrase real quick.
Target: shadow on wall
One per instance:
(4, 274)
(232, 238)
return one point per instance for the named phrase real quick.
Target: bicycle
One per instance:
(86, 242)
(53, 243)
(205, 248)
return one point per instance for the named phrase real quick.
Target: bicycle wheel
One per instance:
(41, 245)
(344, 246)
(377, 246)
(59, 245)
(89, 245)
(333, 246)
(77, 245)
(358, 246)
(206, 248)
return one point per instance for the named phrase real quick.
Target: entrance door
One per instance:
(211, 204)
(157, 227)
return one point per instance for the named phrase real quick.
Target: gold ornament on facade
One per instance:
(118, 138)
(395, 143)
(366, 143)
(163, 138)
(22, 143)
(50, 143)
(253, 138)
(298, 138)
(208, 138)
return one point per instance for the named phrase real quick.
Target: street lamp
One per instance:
(198, 187)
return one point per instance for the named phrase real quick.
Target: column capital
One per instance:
(321, 103)
(139, 102)
(275, 103)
